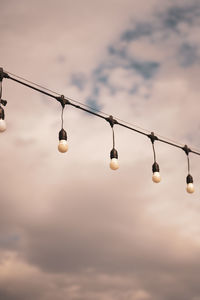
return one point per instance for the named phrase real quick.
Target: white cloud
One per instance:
(78, 230)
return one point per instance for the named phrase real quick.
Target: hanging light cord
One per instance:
(188, 163)
(88, 109)
(0, 90)
(113, 135)
(62, 117)
(154, 152)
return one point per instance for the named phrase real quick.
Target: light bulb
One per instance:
(2, 125)
(156, 177)
(114, 165)
(190, 185)
(190, 188)
(62, 146)
(2, 121)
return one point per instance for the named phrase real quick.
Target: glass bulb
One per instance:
(2, 125)
(190, 188)
(62, 146)
(156, 177)
(114, 165)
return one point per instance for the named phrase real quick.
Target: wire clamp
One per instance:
(3, 74)
(111, 121)
(63, 101)
(186, 149)
(3, 102)
(152, 137)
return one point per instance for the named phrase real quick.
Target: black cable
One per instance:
(6, 75)
(62, 117)
(113, 135)
(154, 152)
(44, 88)
(131, 128)
(188, 163)
(0, 90)
(32, 87)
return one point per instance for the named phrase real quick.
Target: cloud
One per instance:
(71, 228)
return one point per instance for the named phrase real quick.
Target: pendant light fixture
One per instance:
(114, 164)
(155, 167)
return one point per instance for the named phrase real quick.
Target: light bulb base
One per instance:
(62, 135)
(189, 179)
(155, 167)
(2, 114)
(113, 154)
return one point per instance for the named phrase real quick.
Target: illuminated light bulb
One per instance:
(156, 175)
(2, 125)
(114, 165)
(62, 146)
(190, 188)
(190, 185)
(2, 121)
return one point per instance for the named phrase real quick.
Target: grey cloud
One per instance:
(146, 69)
(178, 14)
(9, 240)
(78, 80)
(188, 55)
(72, 230)
(140, 30)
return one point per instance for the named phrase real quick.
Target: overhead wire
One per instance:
(92, 110)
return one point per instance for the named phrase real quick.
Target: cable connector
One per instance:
(186, 149)
(3, 74)
(63, 101)
(189, 179)
(155, 167)
(3, 102)
(152, 137)
(111, 121)
(113, 153)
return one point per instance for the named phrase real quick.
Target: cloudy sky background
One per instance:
(70, 228)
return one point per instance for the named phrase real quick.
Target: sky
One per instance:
(71, 228)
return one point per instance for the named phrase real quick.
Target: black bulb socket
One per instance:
(113, 153)
(62, 135)
(2, 114)
(3, 102)
(189, 179)
(155, 167)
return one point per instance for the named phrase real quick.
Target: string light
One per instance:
(189, 178)
(155, 167)
(63, 147)
(2, 102)
(114, 165)
(2, 121)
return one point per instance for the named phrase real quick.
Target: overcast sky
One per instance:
(71, 228)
